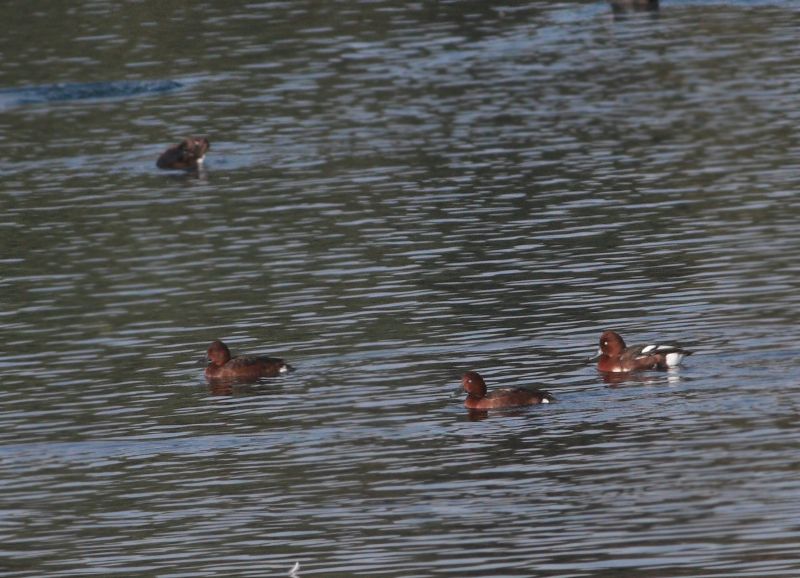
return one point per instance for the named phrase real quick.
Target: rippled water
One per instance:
(395, 194)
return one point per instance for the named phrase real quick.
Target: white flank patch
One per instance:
(674, 359)
(545, 400)
(649, 348)
(284, 368)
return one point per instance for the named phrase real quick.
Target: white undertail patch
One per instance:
(674, 359)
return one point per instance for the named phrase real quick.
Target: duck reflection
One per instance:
(237, 388)
(481, 414)
(620, 379)
(622, 7)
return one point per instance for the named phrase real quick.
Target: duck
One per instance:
(186, 155)
(614, 356)
(221, 366)
(478, 399)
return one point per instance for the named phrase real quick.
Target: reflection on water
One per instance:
(623, 8)
(395, 196)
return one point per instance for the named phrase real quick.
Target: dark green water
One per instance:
(397, 193)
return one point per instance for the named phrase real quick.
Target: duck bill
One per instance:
(595, 357)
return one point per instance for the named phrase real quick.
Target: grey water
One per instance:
(397, 193)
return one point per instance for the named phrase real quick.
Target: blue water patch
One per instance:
(62, 92)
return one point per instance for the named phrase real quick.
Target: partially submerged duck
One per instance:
(186, 155)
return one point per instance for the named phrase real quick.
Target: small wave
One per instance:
(61, 92)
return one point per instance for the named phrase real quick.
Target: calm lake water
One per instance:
(396, 193)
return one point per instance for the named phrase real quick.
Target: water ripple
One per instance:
(394, 196)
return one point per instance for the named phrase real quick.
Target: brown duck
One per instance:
(186, 155)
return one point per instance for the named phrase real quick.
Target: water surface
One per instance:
(394, 195)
